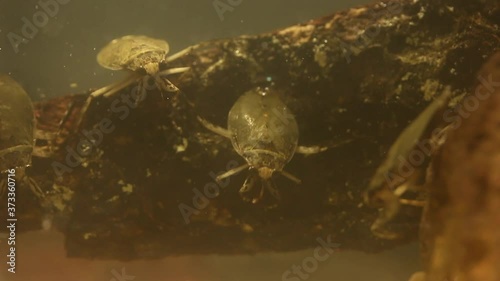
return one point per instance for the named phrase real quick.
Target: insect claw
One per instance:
(215, 129)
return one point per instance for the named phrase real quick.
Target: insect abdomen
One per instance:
(260, 120)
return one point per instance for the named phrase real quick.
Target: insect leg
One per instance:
(248, 184)
(22, 147)
(106, 91)
(142, 92)
(310, 149)
(173, 71)
(216, 129)
(307, 150)
(390, 199)
(409, 185)
(231, 172)
(387, 213)
(164, 84)
(247, 187)
(180, 54)
(415, 203)
(291, 177)
(68, 112)
(35, 188)
(116, 87)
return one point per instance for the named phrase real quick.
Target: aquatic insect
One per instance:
(17, 123)
(140, 55)
(262, 130)
(379, 189)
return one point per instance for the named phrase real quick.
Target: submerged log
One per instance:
(142, 189)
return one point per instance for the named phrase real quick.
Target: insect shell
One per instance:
(16, 125)
(17, 122)
(137, 53)
(264, 132)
